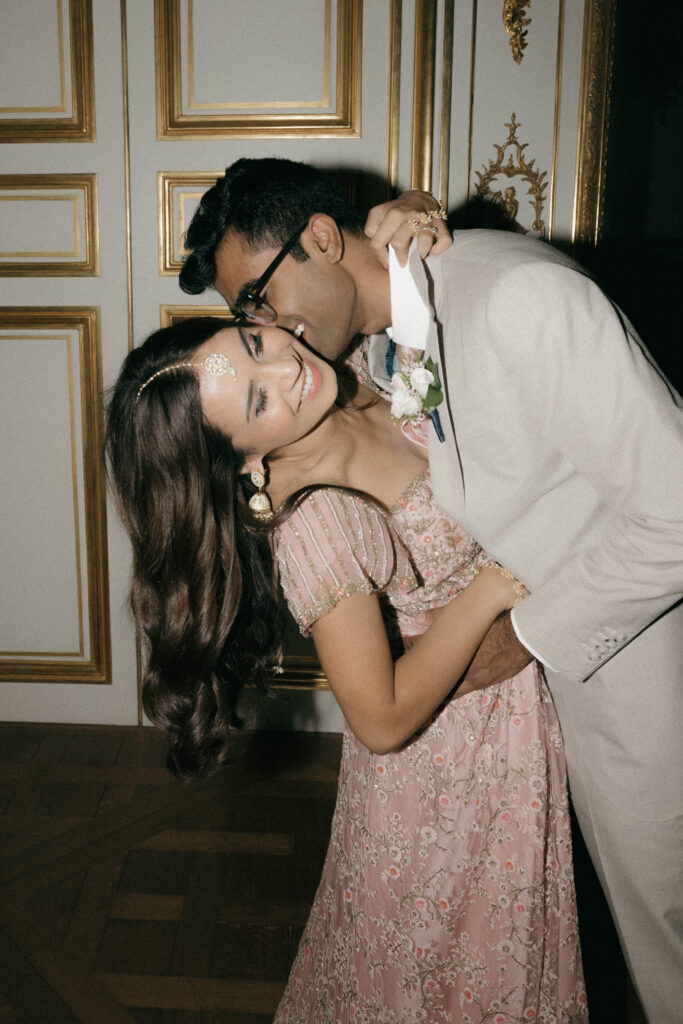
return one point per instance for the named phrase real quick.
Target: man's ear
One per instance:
(326, 236)
(252, 463)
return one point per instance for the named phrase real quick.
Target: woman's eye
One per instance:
(257, 342)
(261, 401)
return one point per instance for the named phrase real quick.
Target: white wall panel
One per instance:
(290, 41)
(35, 60)
(41, 599)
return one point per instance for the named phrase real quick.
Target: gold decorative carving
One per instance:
(596, 85)
(516, 166)
(89, 263)
(79, 125)
(85, 322)
(516, 26)
(173, 123)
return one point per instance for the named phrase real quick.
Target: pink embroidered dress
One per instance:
(447, 893)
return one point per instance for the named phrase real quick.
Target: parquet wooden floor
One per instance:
(127, 897)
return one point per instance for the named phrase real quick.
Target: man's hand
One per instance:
(500, 656)
(388, 224)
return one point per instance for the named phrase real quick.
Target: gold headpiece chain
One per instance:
(216, 364)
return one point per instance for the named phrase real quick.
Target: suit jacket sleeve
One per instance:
(590, 391)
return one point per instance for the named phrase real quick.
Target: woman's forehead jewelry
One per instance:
(216, 364)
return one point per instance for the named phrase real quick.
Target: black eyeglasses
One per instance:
(253, 306)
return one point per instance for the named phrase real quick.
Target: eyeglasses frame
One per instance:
(254, 293)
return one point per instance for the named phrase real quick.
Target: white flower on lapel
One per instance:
(421, 378)
(404, 403)
(417, 392)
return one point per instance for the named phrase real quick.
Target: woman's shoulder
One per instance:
(329, 515)
(335, 543)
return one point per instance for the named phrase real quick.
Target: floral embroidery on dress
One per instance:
(447, 894)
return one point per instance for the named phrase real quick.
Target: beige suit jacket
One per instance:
(564, 458)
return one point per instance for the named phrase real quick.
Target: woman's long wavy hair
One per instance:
(204, 589)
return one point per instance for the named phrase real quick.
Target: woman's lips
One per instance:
(311, 381)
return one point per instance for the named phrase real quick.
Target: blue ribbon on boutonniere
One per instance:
(436, 420)
(417, 392)
(390, 359)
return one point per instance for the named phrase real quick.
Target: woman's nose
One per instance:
(285, 369)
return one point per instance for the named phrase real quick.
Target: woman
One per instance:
(447, 892)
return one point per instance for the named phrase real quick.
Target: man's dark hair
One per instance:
(264, 201)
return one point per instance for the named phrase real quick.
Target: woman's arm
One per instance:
(383, 701)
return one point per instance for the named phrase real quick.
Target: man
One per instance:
(562, 455)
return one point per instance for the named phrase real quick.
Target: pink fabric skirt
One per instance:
(447, 893)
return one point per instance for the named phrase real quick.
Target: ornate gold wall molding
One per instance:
(516, 26)
(173, 189)
(446, 100)
(423, 95)
(79, 125)
(394, 98)
(55, 187)
(515, 166)
(96, 668)
(170, 315)
(172, 122)
(596, 84)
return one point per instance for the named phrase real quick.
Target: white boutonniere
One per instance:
(417, 392)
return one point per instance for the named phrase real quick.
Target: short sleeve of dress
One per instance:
(336, 544)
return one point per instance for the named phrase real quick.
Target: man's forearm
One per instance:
(500, 656)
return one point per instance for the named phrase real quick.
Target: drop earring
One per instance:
(259, 503)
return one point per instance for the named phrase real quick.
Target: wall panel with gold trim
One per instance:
(54, 623)
(46, 72)
(48, 225)
(66, 637)
(206, 58)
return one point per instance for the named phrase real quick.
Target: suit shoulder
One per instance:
(503, 249)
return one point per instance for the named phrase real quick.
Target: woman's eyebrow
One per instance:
(243, 339)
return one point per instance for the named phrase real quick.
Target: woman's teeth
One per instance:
(298, 330)
(308, 383)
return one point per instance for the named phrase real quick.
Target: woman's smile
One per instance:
(311, 382)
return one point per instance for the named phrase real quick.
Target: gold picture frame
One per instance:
(85, 321)
(79, 125)
(53, 184)
(172, 123)
(172, 187)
